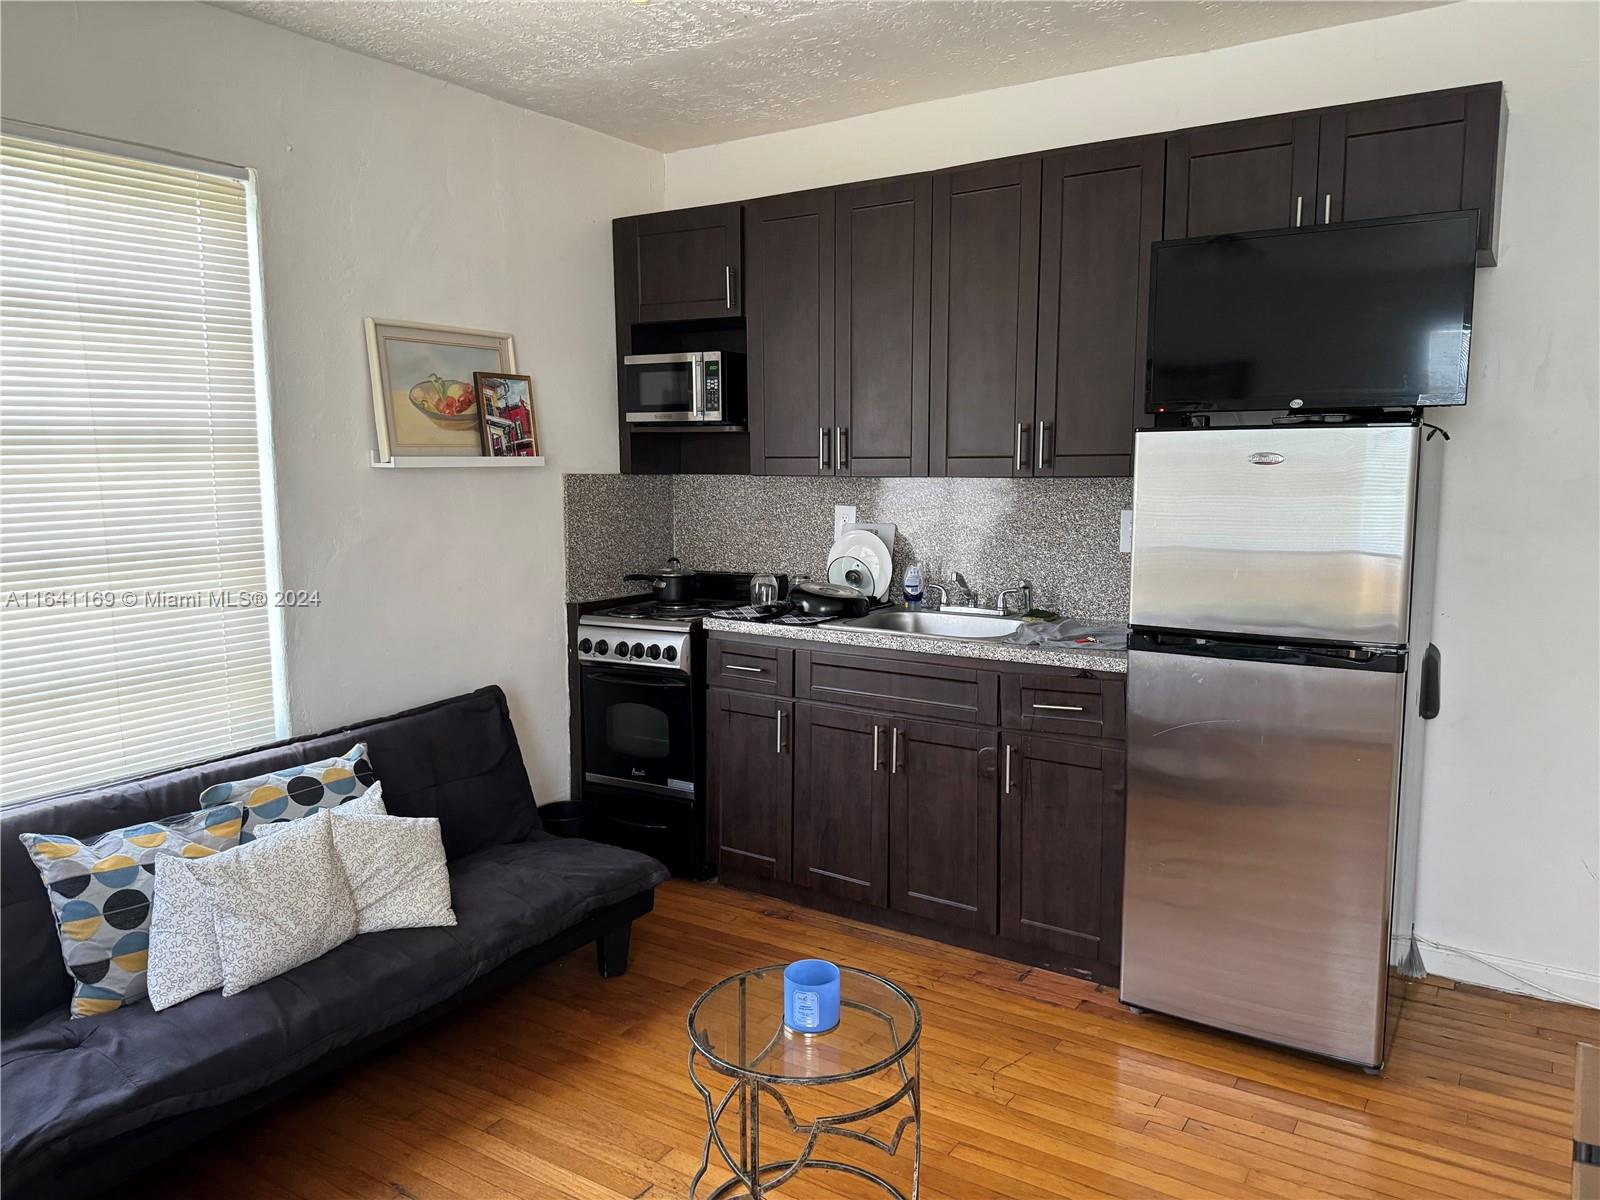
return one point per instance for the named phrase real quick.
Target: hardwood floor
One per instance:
(1034, 1085)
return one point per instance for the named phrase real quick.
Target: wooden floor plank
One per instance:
(1035, 1086)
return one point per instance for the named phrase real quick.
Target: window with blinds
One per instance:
(137, 547)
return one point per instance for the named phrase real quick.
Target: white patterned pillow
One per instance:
(184, 960)
(184, 957)
(396, 868)
(279, 902)
(102, 892)
(368, 804)
(295, 791)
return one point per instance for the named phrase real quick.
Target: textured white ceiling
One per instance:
(677, 73)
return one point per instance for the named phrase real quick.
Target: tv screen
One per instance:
(1366, 314)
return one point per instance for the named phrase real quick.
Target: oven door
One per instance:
(663, 387)
(638, 729)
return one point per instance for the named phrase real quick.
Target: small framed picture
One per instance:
(505, 408)
(423, 398)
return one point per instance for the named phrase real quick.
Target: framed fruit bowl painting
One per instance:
(424, 398)
(505, 407)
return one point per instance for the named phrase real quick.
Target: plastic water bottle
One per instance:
(912, 587)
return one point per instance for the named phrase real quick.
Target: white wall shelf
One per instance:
(457, 460)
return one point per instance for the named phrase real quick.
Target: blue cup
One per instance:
(811, 996)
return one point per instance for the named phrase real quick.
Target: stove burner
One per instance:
(648, 609)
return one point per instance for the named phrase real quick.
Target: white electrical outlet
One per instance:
(1125, 541)
(843, 514)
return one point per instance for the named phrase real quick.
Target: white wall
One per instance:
(383, 193)
(1511, 834)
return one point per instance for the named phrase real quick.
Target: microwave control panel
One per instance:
(713, 388)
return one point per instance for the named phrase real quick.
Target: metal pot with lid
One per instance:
(671, 585)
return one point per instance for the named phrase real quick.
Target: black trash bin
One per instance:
(568, 818)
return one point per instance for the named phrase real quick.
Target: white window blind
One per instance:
(136, 547)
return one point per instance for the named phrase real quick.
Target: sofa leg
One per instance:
(611, 952)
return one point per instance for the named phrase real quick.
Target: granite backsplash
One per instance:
(1061, 534)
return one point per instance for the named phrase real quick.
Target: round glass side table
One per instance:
(736, 1031)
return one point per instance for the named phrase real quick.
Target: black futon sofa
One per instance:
(86, 1103)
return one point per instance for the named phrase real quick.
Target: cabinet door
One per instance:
(1247, 175)
(1415, 154)
(985, 319)
(1101, 210)
(943, 824)
(881, 264)
(789, 307)
(841, 809)
(686, 264)
(751, 757)
(1061, 828)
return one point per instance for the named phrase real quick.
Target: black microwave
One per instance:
(699, 386)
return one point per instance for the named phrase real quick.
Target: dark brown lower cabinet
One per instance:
(750, 750)
(943, 824)
(995, 825)
(1061, 826)
(841, 818)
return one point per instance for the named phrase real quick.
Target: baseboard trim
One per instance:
(1512, 974)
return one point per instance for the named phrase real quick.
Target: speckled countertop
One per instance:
(1091, 660)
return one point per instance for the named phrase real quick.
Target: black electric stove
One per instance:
(642, 695)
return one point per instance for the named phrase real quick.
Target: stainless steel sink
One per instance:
(935, 624)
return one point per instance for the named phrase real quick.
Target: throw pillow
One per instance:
(295, 791)
(184, 959)
(279, 902)
(101, 893)
(396, 868)
(368, 804)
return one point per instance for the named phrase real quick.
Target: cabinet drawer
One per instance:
(898, 685)
(1066, 704)
(750, 667)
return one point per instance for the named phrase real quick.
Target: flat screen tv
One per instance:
(1359, 315)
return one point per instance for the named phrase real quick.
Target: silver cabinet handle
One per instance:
(822, 447)
(727, 286)
(1021, 444)
(1059, 707)
(1008, 769)
(841, 447)
(1327, 209)
(1038, 453)
(755, 670)
(1298, 201)
(875, 732)
(780, 731)
(894, 749)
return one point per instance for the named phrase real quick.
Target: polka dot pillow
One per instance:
(101, 893)
(295, 791)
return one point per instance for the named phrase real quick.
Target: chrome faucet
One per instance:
(1023, 588)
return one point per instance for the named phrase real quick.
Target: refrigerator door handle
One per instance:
(1428, 702)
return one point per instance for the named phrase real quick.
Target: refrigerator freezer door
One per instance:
(1260, 831)
(1298, 533)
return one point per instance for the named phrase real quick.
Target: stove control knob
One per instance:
(638, 649)
(600, 647)
(622, 649)
(653, 651)
(585, 646)
(670, 654)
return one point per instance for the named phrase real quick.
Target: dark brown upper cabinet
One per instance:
(985, 319)
(1245, 175)
(1416, 154)
(686, 264)
(881, 265)
(789, 314)
(1101, 210)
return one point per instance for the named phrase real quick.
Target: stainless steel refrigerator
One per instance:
(1279, 678)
